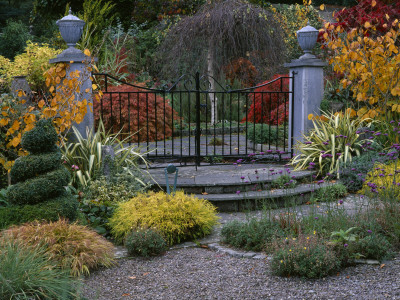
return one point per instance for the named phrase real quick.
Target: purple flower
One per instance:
(261, 153)
(341, 201)
(353, 169)
(307, 143)
(369, 231)
(239, 161)
(311, 164)
(237, 192)
(316, 218)
(242, 177)
(271, 170)
(345, 245)
(320, 181)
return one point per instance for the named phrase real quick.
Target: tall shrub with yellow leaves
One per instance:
(177, 217)
(32, 63)
(370, 63)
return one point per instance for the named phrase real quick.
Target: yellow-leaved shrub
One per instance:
(32, 63)
(383, 180)
(177, 217)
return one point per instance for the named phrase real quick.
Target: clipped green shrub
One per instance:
(330, 192)
(284, 182)
(41, 192)
(304, 256)
(178, 217)
(266, 134)
(27, 273)
(252, 235)
(73, 247)
(32, 165)
(145, 242)
(40, 139)
(38, 189)
(51, 210)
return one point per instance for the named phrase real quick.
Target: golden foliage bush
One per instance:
(32, 63)
(178, 217)
(383, 180)
(72, 246)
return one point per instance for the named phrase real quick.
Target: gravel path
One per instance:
(196, 273)
(188, 272)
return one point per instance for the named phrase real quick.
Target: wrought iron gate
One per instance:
(173, 122)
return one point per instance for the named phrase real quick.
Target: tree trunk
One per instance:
(212, 96)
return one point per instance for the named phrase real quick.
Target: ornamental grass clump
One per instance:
(305, 256)
(252, 235)
(27, 273)
(333, 140)
(70, 246)
(177, 217)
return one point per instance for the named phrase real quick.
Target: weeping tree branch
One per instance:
(220, 32)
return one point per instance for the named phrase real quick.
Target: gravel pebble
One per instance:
(197, 273)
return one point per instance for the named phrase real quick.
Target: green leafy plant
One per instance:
(145, 242)
(342, 237)
(84, 158)
(334, 139)
(73, 247)
(3, 198)
(27, 273)
(102, 195)
(177, 216)
(304, 256)
(374, 246)
(284, 182)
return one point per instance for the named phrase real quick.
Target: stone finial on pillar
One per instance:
(307, 85)
(71, 28)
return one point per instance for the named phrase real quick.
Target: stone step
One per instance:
(251, 200)
(222, 183)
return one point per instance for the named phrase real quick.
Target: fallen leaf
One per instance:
(204, 246)
(147, 273)
(204, 193)
(382, 265)
(132, 277)
(347, 277)
(126, 294)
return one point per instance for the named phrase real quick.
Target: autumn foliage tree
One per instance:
(268, 105)
(136, 109)
(370, 63)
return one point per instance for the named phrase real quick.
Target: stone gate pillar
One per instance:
(71, 29)
(307, 86)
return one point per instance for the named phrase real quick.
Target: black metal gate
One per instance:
(197, 120)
